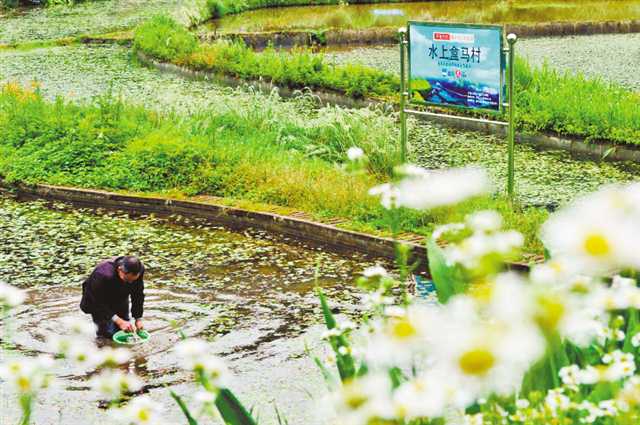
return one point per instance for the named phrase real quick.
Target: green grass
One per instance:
(546, 99)
(573, 105)
(251, 154)
(162, 38)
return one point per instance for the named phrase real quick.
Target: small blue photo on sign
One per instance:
(456, 65)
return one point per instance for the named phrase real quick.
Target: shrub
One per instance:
(164, 39)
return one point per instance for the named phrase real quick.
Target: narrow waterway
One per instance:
(250, 293)
(397, 14)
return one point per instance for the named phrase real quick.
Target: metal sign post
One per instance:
(402, 33)
(458, 66)
(511, 39)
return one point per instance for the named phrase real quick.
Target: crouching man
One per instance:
(106, 292)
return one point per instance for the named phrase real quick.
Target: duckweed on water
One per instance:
(58, 246)
(250, 293)
(543, 178)
(589, 54)
(96, 17)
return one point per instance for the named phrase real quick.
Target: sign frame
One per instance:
(502, 89)
(506, 95)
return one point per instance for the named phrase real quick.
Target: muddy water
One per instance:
(250, 294)
(396, 14)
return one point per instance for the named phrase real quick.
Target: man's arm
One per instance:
(137, 299)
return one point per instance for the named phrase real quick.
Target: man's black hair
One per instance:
(130, 264)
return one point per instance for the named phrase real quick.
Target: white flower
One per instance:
(608, 407)
(556, 401)
(195, 355)
(205, 397)
(480, 356)
(570, 375)
(446, 228)
(422, 397)
(476, 419)
(113, 383)
(629, 396)
(621, 365)
(388, 195)
(376, 299)
(112, 357)
(11, 296)
(424, 189)
(140, 411)
(472, 250)
(361, 400)
(553, 272)
(190, 351)
(78, 326)
(400, 335)
(354, 153)
(375, 271)
(27, 375)
(599, 232)
(484, 221)
(84, 354)
(635, 340)
(522, 403)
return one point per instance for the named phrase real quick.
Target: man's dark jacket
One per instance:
(104, 294)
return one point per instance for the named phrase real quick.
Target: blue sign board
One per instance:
(456, 65)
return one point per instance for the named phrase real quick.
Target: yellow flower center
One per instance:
(403, 329)
(23, 384)
(477, 361)
(550, 312)
(143, 415)
(596, 245)
(353, 396)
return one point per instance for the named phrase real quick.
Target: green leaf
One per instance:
(184, 408)
(632, 328)
(448, 280)
(328, 378)
(231, 410)
(345, 362)
(543, 375)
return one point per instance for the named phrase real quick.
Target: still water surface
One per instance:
(397, 14)
(249, 293)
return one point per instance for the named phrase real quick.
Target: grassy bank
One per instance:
(248, 155)
(547, 100)
(164, 39)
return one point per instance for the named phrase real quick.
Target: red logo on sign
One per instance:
(458, 73)
(441, 36)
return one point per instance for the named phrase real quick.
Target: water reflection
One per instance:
(397, 14)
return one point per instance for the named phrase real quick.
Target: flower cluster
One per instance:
(565, 337)
(195, 355)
